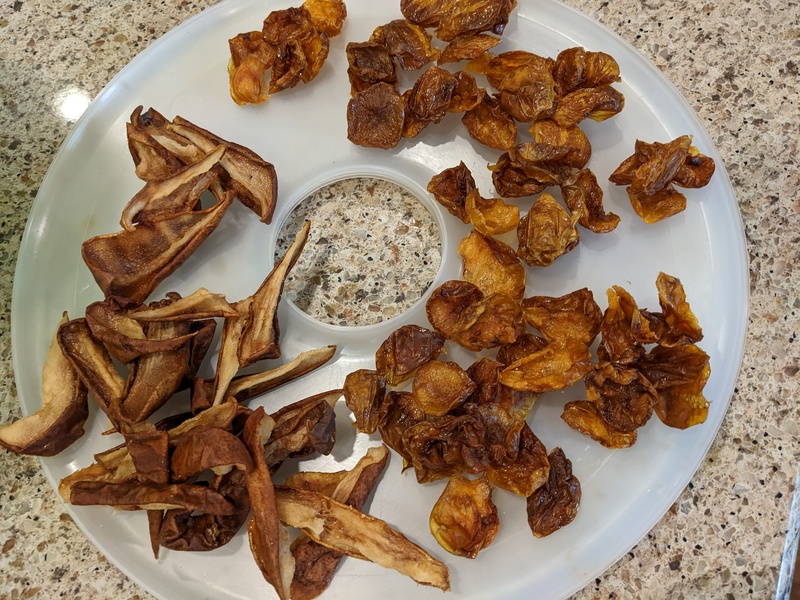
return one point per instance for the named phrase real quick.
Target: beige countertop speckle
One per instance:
(737, 65)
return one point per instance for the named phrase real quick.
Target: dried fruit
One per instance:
(555, 504)
(546, 232)
(450, 189)
(439, 387)
(375, 117)
(574, 315)
(408, 43)
(585, 417)
(491, 265)
(491, 216)
(584, 197)
(489, 124)
(555, 367)
(405, 350)
(464, 519)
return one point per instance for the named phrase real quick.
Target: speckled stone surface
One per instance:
(737, 65)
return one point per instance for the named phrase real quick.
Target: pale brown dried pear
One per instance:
(546, 232)
(555, 504)
(464, 519)
(375, 117)
(491, 265)
(574, 315)
(450, 189)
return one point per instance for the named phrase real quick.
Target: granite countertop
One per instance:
(737, 65)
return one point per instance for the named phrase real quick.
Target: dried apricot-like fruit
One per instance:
(574, 315)
(546, 232)
(491, 216)
(489, 124)
(408, 43)
(584, 197)
(555, 504)
(439, 387)
(492, 265)
(368, 63)
(555, 367)
(474, 16)
(464, 519)
(450, 189)
(577, 68)
(375, 117)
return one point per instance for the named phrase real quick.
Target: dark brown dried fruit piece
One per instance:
(405, 350)
(375, 117)
(555, 504)
(546, 232)
(489, 124)
(450, 189)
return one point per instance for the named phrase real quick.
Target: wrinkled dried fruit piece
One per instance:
(201, 304)
(208, 448)
(468, 47)
(619, 343)
(132, 263)
(429, 98)
(369, 63)
(696, 170)
(679, 375)
(315, 564)
(529, 168)
(598, 104)
(584, 197)
(624, 397)
(585, 417)
(450, 189)
(525, 344)
(427, 13)
(260, 335)
(555, 504)
(145, 495)
(491, 265)
(375, 117)
(491, 216)
(405, 350)
(327, 15)
(364, 390)
(446, 446)
(659, 165)
(547, 131)
(251, 56)
(577, 68)
(681, 321)
(269, 540)
(464, 519)
(546, 232)
(474, 16)
(398, 414)
(301, 47)
(466, 95)
(356, 534)
(523, 470)
(123, 337)
(574, 315)
(439, 387)
(665, 203)
(59, 422)
(489, 124)
(408, 43)
(555, 367)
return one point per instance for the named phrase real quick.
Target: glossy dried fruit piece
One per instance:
(529, 168)
(316, 564)
(575, 315)
(577, 68)
(584, 416)
(491, 265)
(446, 446)
(408, 43)
(683, 326)
(439, 387)
(555, 504)
(461, 312)
(131, 264)
(546, 232)
(468, 47)
(328, 15)
(430, 97)
(491, 216)
(369, 63)
(526, 469)
(525, 344)
(251, 57)
(464, 519)
(624, 397)
(356, 534)
(665, 203)
(555, 367)
(301, 47)
(584, 197)
(550, 133)
(679, 375)
(598, 104)
(465, 17)
(144, 495)
(426, 13)
(620, 342)
(489, 124)
(398, 414)
(59, 422)
(450, 189)
(466, 95)
(405, 350)
(201, 304)
(364, 391)
(208, 448)
(375, 117)
(515, 70)
(123, 336)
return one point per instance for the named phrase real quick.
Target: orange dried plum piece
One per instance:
(491, 216)
(577, 68)
(555, 504)
(665, 203)
(364, 391)
(474, 16)
(624, 397)
(327, 15)
(555, 367)
(489, 124)
(683, 326)
(518, 69)
(619, 341)
(431, 95)
(375, 117)
(450, 189)
(584, 197)
(584, 416)
(525, 344)
(546, 232)
(369, 63)
(574, 315)
(658, 164)
(526, 469)
(547, 131)
(464, 520)
(468, 47)
(491, 265)
(598, 104)
(466, 95)
(696, 170)
(448, 302)
(439, 387)
(426, 13)
(405, 350)
(408, 43)
(679, 375)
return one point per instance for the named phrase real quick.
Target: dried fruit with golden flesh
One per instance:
(59, 422)
(251, 57)
(408, 43)
(398, 414)
(474, 16)
(584, 416)
(491, 216)
(464, 519)
(555, 504)
(524, 470)
(375, 117)
(468, 47)
(682, 324)
(439, 387)
(429, 98)
(364, 390)
(529, 168)
(426, 13)
(555, 367)
(489, 124)
(575, 315)
(450, 189)
(466, 95)
(550, 133)
(584, 197)
(619, 341)
(446, 446)
(598, 104)
(405, 350)
(491, 265)
(546, 232)
(327, 15)
(578, 68)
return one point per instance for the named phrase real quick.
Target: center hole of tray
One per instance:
(373, 250)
